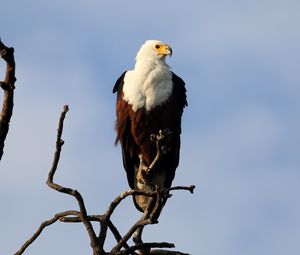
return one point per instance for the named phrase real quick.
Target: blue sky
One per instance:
(240, 141)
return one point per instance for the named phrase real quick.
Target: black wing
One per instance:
(129, 154)
(179, 101)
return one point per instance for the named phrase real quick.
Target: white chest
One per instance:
(147, 88)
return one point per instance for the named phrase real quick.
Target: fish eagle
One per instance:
(150, 98)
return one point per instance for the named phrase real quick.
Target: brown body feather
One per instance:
(134, 130)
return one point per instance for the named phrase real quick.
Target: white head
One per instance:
(153, 50)
(150, 83)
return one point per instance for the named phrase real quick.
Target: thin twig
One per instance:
(43, 225)
(106, 218)
(96, 218)
(145, 220)
(122, 196)
(67, 219)
(138, 224)
(146, 246)
(116, 233)
(166, 252)
(189, 188)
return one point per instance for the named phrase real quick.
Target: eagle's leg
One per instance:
(142, 176)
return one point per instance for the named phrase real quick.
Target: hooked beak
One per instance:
(165, 50)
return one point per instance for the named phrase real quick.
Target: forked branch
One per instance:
(81, 216)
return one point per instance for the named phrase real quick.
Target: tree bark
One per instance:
(8, 85)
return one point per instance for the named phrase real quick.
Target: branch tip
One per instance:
(66, 108)
(192, 187)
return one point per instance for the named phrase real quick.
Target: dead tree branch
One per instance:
(8, 85)
(148, 246)
(41, 228)
(81, 216)
(69, 191)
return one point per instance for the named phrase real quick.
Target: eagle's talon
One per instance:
(140, 177)
(144, 176)
(140, 181)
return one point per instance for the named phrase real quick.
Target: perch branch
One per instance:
(126, 237)
(122, 242)
(8, 85)
(156, 201)
(122, 196)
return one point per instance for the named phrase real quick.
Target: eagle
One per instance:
(150, 98)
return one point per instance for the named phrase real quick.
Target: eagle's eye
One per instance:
(157, 46)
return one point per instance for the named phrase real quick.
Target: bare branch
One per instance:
(116, 233)
(157, 199)
(67, 219)
(8, 85)
(122, 242)
(97, 218)
(166, 252)
(59, 144)
(122, 196)
(146, 246)
(69, 191)
(140, 223)
(41, 228)
(190, 188)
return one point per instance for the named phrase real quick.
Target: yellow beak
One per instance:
(165, 50)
